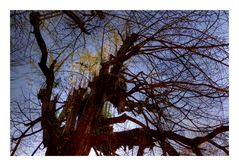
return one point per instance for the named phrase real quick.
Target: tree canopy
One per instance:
(119, 82)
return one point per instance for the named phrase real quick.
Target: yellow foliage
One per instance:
(90, 63)
(116, 38)
(105, 53)
(51, 59)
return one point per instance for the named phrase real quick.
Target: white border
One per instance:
(116, 5)
(120, 4)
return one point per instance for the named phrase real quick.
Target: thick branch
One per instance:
(167, 148)
(49, 122)
(145, 138)
(121, 119)
(35, 21)
(214, 133)
(195, 141)
(48, 72)
(77, 20)
(134, 137)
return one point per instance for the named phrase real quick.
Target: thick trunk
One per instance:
(80, 143)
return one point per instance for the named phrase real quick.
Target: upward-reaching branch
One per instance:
(48, 72)
(77, 20)
(50, 125)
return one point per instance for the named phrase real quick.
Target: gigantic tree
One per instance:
(120, 82)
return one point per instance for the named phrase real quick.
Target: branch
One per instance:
(146, 138)
(35, 21)
(140, 151)
(183, 83)
(195, 142)
(167, 148)
(37, 148)
(121, 119)
(214, 133)
(33, 122)
(77, 20)
(19, 140)
(134, 137)
(48, 72)
(219, 146)
(24, 134)
(48, 106)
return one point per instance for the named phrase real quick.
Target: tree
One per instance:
(162, 74)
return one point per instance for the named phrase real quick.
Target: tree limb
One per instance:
(146, 138)
(121, 119)
(77, 20)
